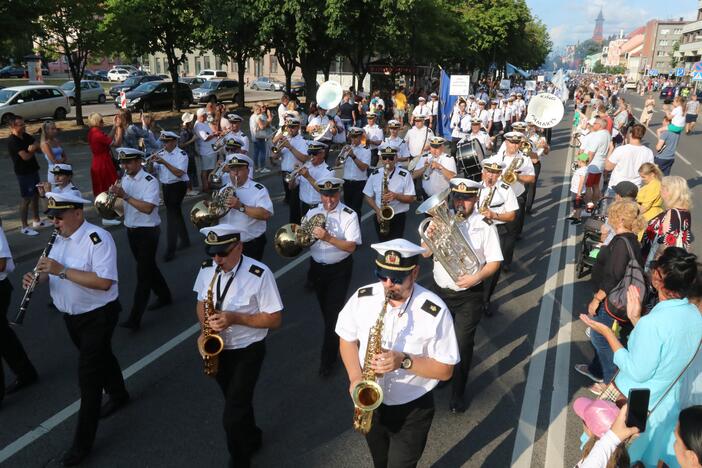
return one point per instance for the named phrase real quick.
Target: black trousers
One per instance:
(399, 433)
(331, 284)
(173, 195)
(237, 376)
(466, 308)
(374, 159)
(98, 368)
(292, 198)
(254, 247)
(353, 195)
(521, 214)
(11, 349)
(143, 242)
(397, 227)
(454, 146)
(507, 240)
(531, 188)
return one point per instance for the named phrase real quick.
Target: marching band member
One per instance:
(422, 110)
(433, 111)
(232, 148)
(309, 174)
(417, 138)
(495, 117)
(356, 171)
(171, 169)
(477, 133)
(249, 208)
(394, 140)
(374, 137)
(63, 183)
(419, 349)
(520, 105)
(322, 122)
(483, 115)
(436, 168)
(400, 193)
(472, 106)
(293, 151)
(542, 148)
(246, 305)
(502, 213)
(460, 125)
(206, 136)
(331, 264)
(140, 193)
(235, 130)
(82, 274)
(11, 349)
(464, 298)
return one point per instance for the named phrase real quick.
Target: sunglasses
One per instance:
(383, 278)
(60, 218)
(387, 157)
(222, 254)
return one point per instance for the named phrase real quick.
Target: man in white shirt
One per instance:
(436, 168)
(206, 136)
(394, 140)
(596, 145)
(309, 173)
(293, 151)
(374, 137)
(417, 137)
(460, 125)
(433, 111)
(422, 109)
(356, 171)
(282, 109)
(625, 161)
(495, 117)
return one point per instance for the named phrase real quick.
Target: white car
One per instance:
(630, 84)
(211, 74)
(33, 102)
(119, 73)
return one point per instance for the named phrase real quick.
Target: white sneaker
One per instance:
(265, 170)
(39, 224)
(192, 193)
(27, 231)
(111, 222)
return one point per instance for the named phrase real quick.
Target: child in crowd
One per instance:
(604, 424)
(577, 187)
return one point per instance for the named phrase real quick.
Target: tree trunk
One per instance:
(240, 69)
(326, 72)
(77, 75)
(173, 69)
(309, 74)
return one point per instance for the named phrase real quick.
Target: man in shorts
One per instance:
(596, 145)
(692, 108)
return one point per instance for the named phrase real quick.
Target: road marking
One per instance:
(526, 430)
(58, 418)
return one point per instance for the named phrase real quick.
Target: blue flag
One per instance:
(446, 103)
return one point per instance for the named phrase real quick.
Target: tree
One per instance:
(586, 48)
(673, 59)
(141, 27)
(277, 29)
(72, 28)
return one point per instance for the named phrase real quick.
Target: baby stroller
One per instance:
(591, 243)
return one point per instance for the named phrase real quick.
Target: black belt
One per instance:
(344, 262)
(451, 293)
(142, 228)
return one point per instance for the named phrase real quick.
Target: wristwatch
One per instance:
(242, 208)
(406, 362)
(62, 274)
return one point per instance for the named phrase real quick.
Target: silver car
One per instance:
(90, 91)
(267, 84)
(33, 102)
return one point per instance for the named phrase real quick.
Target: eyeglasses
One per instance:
(222, 254)
(383, 278)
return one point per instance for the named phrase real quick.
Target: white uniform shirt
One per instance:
(460, 125)
(400, 145)
(178, 159)
(143, 186)
(340, 136)
(433, 107)
(421, 110)
(503, 201)
(252, 290)
(422, 326)
(282, 109)
(289, 161)
(484, 240)
(69, 188)
(203, 130)
(483, 116)
(91, 249)
(342, 223)
(399, 181)
(417, 139)
(437, 182)
(482, 137)
(495, 115)
(323, 122)
(373, 133)
(351, 170)
(308, 194)
(250, 194)
(6, 254)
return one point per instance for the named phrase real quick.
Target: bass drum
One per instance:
(469, 155)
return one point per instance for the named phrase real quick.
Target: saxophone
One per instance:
(368, 394)
(386, 211)
(485, 205)
(212, 344)
(510, 175)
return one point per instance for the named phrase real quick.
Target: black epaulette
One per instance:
(256, 270)
(149, 178)
(375, 171)
(363, 292)
(431, 308)
(95, 238)
(402, 173)
(259, 186)
(206, 263)
(348, 210)
(496, 206)
(329, 168)
(505, 186)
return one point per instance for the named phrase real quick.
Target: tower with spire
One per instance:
(597, 34)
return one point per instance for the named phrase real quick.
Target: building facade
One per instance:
(690, 50)
(660, 37)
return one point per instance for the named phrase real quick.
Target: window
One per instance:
(258, 66)
(198, 66)
(665, 32)
(274, 63)
(158, 66)
(662, 43)
(677, 31)
(207, 61)
(57, 93)
(186, 66)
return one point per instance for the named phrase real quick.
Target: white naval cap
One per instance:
(125, 153)
(232, 117)
(518, 125)
(355, 131)
(58, 202)
(421, 98)
(239, 160)
(464, 187)
(397, 257)
(393, 124)
(233, 142)
(61, 168)
(514, 136)
(168, 135)
(290, 119)
(218, 238)
(329, 184)
(492, 164)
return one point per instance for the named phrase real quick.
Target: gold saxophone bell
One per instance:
(211, 345)
(387, 213)
(367, 395)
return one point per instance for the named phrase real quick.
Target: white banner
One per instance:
(459, 85)
(505, 84)
(530, 85)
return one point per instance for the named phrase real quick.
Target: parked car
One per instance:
(212, 74)
(297, 88)
(90, 91)
(89, 75)
(33, 102)
(12, 71)
(193, 81)
(156, 95)
(164, 77)
(103, 74)
(131, 83)
(630, 84)
(667, 94)
(118, 74)
(216, 91)
(265, 83)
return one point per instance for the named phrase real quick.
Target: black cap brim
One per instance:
(393, 274)
(211, 250)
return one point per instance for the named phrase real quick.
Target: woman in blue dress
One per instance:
(661, 345)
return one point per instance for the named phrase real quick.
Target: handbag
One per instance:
(615, 302)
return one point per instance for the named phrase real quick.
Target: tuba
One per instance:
(108, 205)
(211, 344)
(446, 242)
(207, 213)
(387, 212)
(292, 238)
(368, 394)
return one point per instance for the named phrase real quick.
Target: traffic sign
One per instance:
(697, 67)
(697, 76)
(680, 71)
(653, 72)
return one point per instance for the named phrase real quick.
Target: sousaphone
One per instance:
(545, 110)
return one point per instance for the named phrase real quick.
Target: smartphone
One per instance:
(637, 413)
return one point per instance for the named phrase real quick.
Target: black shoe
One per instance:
(73, 457)
(160, 303)
(134, 326)
(19, 384)
(576, 221)
(112, 405)
(457, 406)
(168, 257)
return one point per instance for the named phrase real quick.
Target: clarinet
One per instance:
(35, 279)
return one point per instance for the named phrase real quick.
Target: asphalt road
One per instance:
(521, 384)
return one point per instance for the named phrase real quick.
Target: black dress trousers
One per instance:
(255, 247)
(353, 195)
(531, 188)
(397, 227)
(173, 195)
(507, 240)
(143, 242)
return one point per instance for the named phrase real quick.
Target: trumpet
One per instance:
(289, 177)
(429, 169)
(220, 142)
(343, 155)
(148, 164)
(278, 147)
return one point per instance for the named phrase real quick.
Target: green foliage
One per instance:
(599, 67)
(586, 48)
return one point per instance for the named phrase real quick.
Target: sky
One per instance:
(569, 21)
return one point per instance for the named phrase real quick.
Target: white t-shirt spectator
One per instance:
(628, 160)
(598, 144)
(575, 180)
(678, 117)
